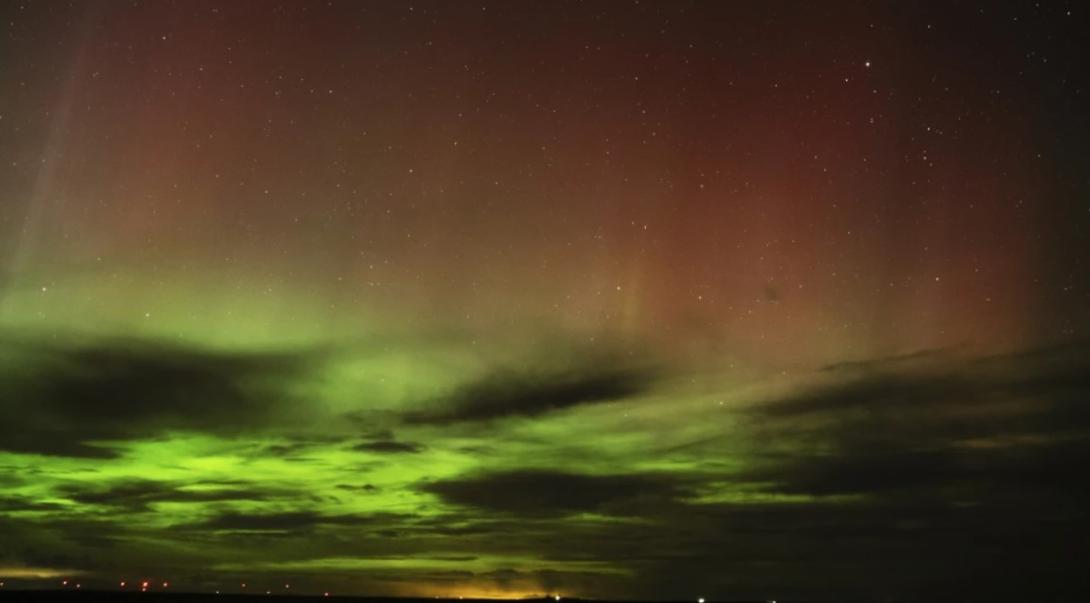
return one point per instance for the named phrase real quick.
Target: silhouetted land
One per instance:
(71, 596)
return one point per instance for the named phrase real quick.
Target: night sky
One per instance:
(596, 299)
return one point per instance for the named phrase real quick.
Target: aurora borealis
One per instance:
(655, 300)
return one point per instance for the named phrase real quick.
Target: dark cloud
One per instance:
(972, 430)
(291, 522)
(135, 496)
(882, 472)
(511, 394)
(901, 361)
(275, 522)
(545, 493)
(389, 447)
(63, 398)
(15, 504)
(371, 488)
(296, 447)
(904, 393)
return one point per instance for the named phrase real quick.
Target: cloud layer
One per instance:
(117, 449)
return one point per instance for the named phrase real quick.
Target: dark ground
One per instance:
(71, 596)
